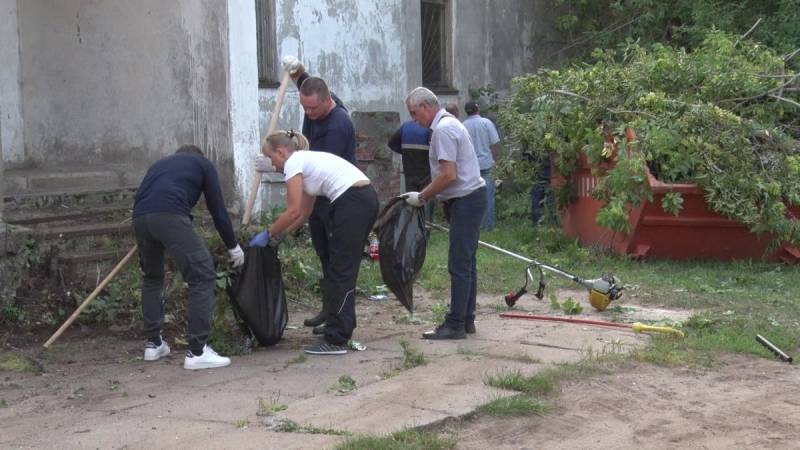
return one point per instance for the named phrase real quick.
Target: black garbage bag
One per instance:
(258, 298)
(402, 244)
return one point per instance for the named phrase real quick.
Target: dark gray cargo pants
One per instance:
(175, 233)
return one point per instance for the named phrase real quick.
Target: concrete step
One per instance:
(39, 216)
(83, 269)
(68, 198)
(84, 230)
(70, 177)
(91, 256)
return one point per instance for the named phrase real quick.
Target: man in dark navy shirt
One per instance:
(162, 222)
(328, 127)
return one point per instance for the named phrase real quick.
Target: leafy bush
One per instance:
(681, 23)
(725, 116)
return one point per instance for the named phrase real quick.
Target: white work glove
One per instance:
(291, 64)
(413, 199)
(263, 164)
(236, 256)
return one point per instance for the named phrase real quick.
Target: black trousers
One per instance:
(351, 218)
(319, 226)
(175, 234)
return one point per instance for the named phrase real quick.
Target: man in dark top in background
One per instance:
(412, 141)
(162, 222)
(328, 127)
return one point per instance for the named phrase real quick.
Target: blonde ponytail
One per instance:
(292, 140)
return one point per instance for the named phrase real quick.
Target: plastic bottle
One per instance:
(373, 248)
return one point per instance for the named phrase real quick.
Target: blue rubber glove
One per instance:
(260, 240)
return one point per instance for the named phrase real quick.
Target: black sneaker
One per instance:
(442, 332)
(324, 348)
(320, 329)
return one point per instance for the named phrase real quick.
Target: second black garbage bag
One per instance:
(402, 244)
(258, 296)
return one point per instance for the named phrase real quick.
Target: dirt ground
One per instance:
(96, 392)
(743, 403)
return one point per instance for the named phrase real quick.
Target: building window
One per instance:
(267, 47)
(436, 44)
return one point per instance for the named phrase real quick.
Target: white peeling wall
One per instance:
(243, 92)
(124, 81)
(357, 46)
(11, 127)
(369, 51)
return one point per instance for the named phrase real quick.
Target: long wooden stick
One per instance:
(273, 124)
(91, 296)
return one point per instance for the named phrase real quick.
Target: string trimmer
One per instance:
(601, 290)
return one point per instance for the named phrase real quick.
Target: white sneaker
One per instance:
(153, 353)
(208, 360)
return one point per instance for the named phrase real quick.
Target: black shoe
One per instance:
(469, 327)
(317, 320)
(443, 332)
(319, 329)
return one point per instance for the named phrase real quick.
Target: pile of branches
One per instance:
(725, 116)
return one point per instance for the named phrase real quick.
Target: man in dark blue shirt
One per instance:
(328, 127)
(413, 141)
(162, 222)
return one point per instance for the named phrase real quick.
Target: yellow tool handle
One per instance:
(642, 328)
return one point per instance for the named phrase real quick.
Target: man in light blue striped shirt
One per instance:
(486, 142)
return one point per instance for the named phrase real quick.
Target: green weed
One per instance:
(299, 359)
(402, 440)
(411, 356)
(439, 310)
(571, 307)
(15, 362)
(266, 407)
(516, 405)
(290, 426)
(539, 384)
(345, 384)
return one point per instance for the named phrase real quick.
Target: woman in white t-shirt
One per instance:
(354, 207)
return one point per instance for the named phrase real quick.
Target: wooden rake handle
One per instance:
(273, 124)
(91, 296)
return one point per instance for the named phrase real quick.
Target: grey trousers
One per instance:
(175, 233)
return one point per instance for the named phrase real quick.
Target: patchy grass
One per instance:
(15, 362)
(516, 405)
(289, 426)
(299, 359)
(266, 407)
(737, 300)
(401, 440)
(411, 356)
(345, 384)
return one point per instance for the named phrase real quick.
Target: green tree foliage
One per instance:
(725, 116)
(680, 23)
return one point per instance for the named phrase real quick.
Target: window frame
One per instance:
(266, 44)
(445, 84)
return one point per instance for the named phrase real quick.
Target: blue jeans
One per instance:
(464, 214)
(489, 219)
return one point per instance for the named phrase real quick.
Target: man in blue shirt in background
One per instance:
(162, 221)
(487, 148)
(413, 141)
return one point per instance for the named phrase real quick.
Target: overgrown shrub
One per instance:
(725, 116)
